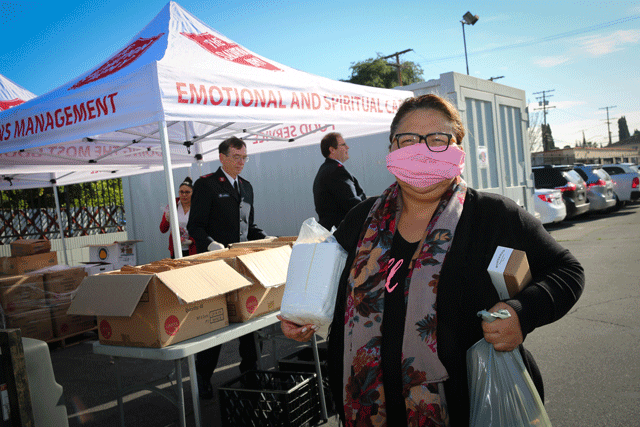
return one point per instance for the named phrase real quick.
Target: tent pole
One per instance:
(58, 212)
(168, 177)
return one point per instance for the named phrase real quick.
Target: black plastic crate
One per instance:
(302, 361)
(270, 399)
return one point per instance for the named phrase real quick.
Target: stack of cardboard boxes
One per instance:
(169, 301)
(35, 292)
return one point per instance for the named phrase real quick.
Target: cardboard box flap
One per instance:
(268, 266)
(203, 281)
(121, 242)
(102, 296)
(252, 242)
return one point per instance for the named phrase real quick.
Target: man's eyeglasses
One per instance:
(237, 158)
(436, 141)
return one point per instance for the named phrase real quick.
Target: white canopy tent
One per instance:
(168, 99)
(12, 94)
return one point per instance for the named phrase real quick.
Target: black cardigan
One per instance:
(487, 221)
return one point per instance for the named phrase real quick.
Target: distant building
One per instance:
(632, 142)
(619, 152)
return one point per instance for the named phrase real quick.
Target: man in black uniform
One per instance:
(335, 191)
(222, 213)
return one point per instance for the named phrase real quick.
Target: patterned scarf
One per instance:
(422, 371)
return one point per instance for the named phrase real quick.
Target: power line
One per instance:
(546, 144)
(397, 64)
(544, 39)
(544, 103)
(608, 121)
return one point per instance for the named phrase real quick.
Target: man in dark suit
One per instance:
(222, 213)
(335, 190)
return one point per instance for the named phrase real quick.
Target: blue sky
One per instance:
(587, 52)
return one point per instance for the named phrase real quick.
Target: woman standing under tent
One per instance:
(184, 205)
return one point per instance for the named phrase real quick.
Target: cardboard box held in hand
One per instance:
(509, 271)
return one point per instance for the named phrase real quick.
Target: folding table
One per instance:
(187, 350)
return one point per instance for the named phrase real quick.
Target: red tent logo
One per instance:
(122, 59)
(5, 105)
(229, 51)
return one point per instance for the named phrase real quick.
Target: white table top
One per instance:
(190, 346)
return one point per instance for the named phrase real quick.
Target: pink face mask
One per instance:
(420, 167)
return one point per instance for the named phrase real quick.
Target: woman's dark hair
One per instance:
(188, 182)
(429, 102)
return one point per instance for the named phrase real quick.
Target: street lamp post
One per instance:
(467, 19)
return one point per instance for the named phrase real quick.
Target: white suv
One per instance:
(599, 187)
(626, 182)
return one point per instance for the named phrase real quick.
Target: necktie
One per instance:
(235, 185)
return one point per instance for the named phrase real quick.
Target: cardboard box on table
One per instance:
(60, 285)
(24, 247)
(509, 271)
(24, 264)
(267, 272)
(22, 293)
(116, 253)
(158, 309)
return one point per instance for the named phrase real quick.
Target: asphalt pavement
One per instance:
(590, 359)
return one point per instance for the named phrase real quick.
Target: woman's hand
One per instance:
(504, 334)
(296, 332)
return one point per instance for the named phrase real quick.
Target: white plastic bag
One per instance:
(312, 232)
(501, 392)
(315, 267)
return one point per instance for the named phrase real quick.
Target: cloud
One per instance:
(551, 61)
(602, 45)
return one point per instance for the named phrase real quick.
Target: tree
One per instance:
(623, 129)
(547, 138)
(535, 132)
(377, 72)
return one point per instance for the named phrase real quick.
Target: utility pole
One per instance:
(608, 121)
(397, 64)
(544, 104)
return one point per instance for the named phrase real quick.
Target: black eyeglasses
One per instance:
(437, 141)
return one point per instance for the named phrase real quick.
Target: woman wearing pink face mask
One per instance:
(416, 276)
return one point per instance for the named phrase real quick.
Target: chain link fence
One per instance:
(85, 209)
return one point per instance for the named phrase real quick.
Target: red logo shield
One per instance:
(5, 105)
(123, 58)
(229, 51)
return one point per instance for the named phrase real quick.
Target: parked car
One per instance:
(599, 187)
(549, 205)
(626, 180)
(570, 184)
